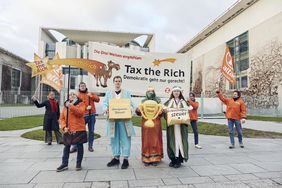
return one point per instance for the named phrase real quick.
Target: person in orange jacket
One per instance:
(89, 100)
(235, 113)
(194, 118)
(75, 123)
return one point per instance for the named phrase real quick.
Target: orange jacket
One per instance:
(76, 117)
(193, 113)
(85, 98)
(234, 109)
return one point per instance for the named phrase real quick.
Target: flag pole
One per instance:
(68, 95)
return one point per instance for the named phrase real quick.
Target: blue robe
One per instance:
(119, 131)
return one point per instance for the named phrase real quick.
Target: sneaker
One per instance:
(146, 164)
(90, 149)
(78, 167)
(73, 150)
(198, 146)
(113, 162)
(241, 145)
(231, 147)
(171, 164)
(154, 163)
(62, 168)
(177, 165)
(125, 164)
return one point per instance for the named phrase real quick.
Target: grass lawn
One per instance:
(264, 118)
(219, 130)
(39, 135)
(18, 123)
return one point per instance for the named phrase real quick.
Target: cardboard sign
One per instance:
(119, 109)
(178, 116)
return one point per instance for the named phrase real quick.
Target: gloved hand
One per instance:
(88, 107)
(243, 120)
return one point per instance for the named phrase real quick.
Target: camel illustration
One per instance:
(102, 72)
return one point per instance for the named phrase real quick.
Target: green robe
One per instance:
(171, 136)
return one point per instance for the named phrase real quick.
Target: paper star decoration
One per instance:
(39, 65)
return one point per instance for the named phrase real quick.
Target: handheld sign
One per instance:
(177, 116)
(119, 109)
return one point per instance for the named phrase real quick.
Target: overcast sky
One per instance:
(174, 22)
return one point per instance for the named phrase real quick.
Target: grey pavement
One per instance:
(251, 124)
(29, 163)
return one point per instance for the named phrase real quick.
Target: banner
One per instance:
(139, 70)
(90, 66)
(227, 67)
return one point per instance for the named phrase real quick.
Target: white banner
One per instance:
(139, 70)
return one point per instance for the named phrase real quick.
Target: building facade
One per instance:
(252, 31)
(77, 44)
(15, 83)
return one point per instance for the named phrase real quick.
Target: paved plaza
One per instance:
(27, 163)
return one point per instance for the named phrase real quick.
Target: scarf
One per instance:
(54, 107)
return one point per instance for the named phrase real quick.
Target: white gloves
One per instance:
(88, 107)
(243, 120)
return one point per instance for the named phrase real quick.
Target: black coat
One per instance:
(50, 121)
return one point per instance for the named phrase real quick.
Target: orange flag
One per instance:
(227, 67)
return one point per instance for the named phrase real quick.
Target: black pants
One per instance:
(66, 154)
(48, 136)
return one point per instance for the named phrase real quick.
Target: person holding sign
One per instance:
(235, 113)
(194, 119)
(73, 126)
(51, 117)
(177, 117)
(89, 99)
(152, 143)
(118, 106)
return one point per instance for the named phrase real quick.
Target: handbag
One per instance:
(78, 137)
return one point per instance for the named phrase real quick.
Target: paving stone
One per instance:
(119, 184)
(49, 185)
(240, 177)
(195, 180)
(146, 182)
(268, 174)
(164, 173)
(100, 185)
(219, 179)
(77, 185)
(65, 176)
(171, 181)
(261, 183)
(212, 170)
(221, 185)
(247, 168)
(110, 175)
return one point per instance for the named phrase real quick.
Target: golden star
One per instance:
(156, 62)
(39, 65)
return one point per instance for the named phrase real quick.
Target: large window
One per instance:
(16, 78)
(239, 48)
(50, 50)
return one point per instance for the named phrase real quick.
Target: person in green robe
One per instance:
(177, 135)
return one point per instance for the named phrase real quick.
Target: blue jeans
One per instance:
(195, 131)
(90, 121)
(66, 154)
(237, 123)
